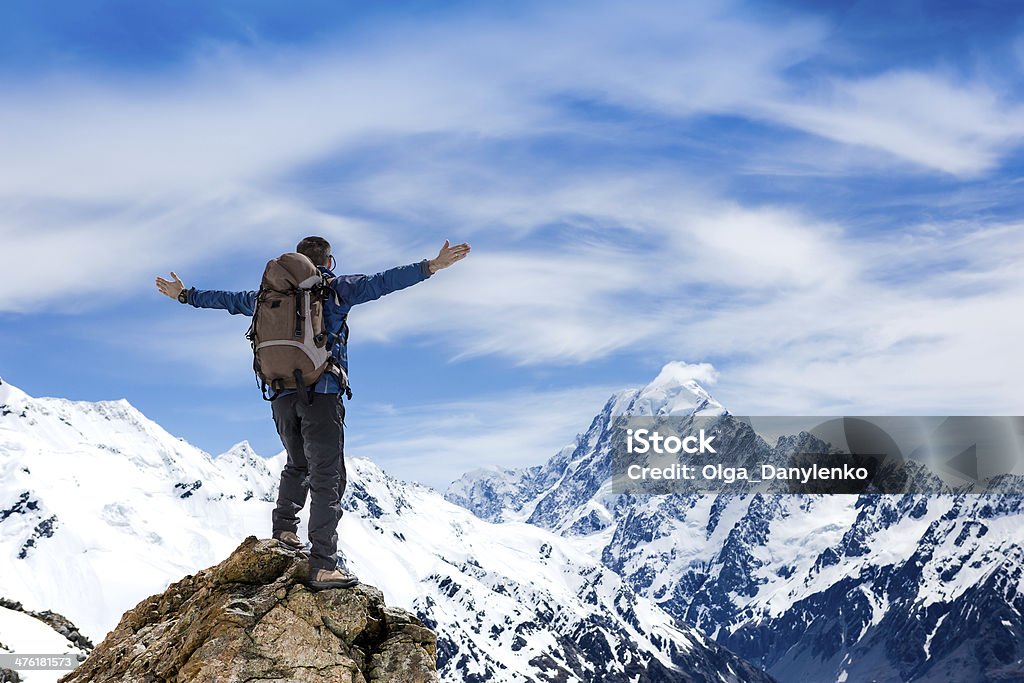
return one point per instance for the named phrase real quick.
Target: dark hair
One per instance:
(316, 248)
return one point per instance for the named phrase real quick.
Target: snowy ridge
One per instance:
(100, 507)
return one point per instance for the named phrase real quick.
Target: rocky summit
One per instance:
(253, 618)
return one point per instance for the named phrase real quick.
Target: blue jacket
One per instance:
(351, 290)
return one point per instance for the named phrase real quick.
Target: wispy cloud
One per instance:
(797, 313)
(532, 137)
(242, 116)
(810, 312)
(927, 119)
(102, 256)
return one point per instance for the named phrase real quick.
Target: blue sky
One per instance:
(818, 207)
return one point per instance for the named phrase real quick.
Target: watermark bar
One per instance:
(39, 662)
(654, 455)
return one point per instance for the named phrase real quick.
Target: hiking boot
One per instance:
(289, 540)
(331, 578)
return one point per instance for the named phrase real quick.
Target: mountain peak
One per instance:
(677, 391)
(243, 449)
(10, 393)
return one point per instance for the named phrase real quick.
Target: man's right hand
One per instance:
(169, 288)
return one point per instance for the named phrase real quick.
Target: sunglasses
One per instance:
(331, 264)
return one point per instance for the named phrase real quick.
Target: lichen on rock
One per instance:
(252, 618)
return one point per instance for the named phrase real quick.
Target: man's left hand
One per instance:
(447, 256)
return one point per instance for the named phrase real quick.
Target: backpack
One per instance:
(291, 347)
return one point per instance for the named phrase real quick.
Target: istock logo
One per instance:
(953, 455)
(642, 441)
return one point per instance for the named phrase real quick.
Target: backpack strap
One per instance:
(328, 292)
(300, 387)
(300, 313)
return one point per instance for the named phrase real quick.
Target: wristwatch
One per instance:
(183, 295)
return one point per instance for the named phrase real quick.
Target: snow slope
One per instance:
(100, 507)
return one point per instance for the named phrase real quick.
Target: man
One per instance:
(312, 431)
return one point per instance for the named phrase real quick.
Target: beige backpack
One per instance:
(289, 342)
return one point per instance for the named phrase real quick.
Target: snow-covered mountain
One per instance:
(100, 507)
(510, 602)
(814, 588)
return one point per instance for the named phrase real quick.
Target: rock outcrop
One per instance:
(253, 618)
(57, 622)
(74, 643)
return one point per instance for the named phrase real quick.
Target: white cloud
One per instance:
(243, 117)
(124, 180)
(240, 117)
(679, 372)
(656, 260)
(532, 308)
(961, 129)
(56, 256)
(803, 314)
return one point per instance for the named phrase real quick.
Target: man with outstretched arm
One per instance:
(312, 430)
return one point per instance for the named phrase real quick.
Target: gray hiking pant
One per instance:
(314, 437)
